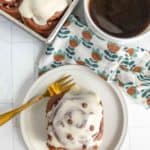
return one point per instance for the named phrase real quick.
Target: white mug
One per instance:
(107, 36)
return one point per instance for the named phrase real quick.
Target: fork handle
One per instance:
(5, 117)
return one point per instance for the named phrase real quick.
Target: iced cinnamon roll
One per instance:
(11, 7)
(75, 121)
(42, 15)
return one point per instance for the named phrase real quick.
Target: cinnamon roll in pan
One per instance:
(42, 16)
(11, 7)
(43, 30)
(75, 121)
(9, 2)
(46, 29)
(12, 12)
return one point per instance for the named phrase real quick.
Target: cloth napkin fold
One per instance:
(127, 67)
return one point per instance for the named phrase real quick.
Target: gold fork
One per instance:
(60, 86)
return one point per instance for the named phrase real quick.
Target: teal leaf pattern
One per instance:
(112, 62)
(49, 50)
(91, 64)
(70, 52)
(146, 93)
(148, 65)
(110, 56)
(63, 33)
(56, 64)
(144, 78)
(87, 44)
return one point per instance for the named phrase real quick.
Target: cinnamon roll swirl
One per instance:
(75, 121)
(11, 7)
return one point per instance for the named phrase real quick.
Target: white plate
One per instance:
(33, 121)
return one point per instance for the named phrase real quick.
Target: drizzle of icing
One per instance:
(84, 122)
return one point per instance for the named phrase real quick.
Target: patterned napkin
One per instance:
(128, 68)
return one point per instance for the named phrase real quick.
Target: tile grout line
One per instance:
(3, 103)
(129, 138)
(12, 77)
(12, 84)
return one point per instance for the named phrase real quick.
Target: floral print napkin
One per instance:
(128, 67)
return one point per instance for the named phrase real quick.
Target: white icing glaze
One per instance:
(42, 10)
(70, 107)
(8, 0)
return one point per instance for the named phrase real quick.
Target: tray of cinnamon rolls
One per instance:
(42, 18)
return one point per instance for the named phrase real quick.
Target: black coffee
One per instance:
(121, 18)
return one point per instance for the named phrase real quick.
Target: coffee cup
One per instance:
(145, 31)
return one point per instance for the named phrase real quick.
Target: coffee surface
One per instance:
(121, 18)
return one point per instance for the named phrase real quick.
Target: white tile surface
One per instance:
(18, 54)
(140, 138)
(24, 56)
(140, 116)
(126, 145)
(2, 18)
(23, 68)
(6, 131)
(18, 140)
(5, 31)
(19, 35)
(5, 72)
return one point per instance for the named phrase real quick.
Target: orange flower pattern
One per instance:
(128, 67)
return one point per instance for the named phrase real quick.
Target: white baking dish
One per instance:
(52, 35)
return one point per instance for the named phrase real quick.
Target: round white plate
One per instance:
(33, 121)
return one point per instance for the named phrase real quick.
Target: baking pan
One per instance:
(52, 35)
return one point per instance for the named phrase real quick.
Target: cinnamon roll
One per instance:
(42, 15)
(75, 121)
(11, 7)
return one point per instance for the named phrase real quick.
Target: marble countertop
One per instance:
(18, 54)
